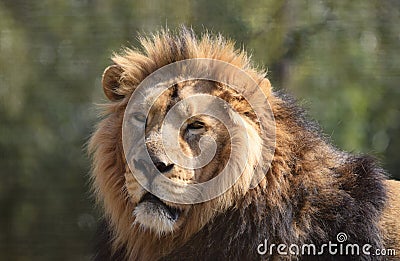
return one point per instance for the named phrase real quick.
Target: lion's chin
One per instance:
(154, 214)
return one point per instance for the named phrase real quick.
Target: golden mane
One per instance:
(109, 166)
(167, 47)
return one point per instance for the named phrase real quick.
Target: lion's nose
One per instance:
(162, 167)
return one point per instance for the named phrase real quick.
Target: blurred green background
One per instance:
(340, 58)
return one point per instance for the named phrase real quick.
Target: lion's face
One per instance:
(153, 212)
(126, 170)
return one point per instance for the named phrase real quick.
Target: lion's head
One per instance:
(134, 212)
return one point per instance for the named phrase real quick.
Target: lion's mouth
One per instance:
(157, 206)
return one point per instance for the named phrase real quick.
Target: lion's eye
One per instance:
(196, 126)
(139, 117)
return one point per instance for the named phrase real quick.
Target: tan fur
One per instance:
(391, 216)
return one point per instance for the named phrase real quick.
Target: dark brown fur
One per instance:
(311, 211)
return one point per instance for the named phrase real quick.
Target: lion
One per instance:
(310, 192)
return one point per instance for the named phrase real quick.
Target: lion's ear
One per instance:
(266, 87)
(111, 83)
